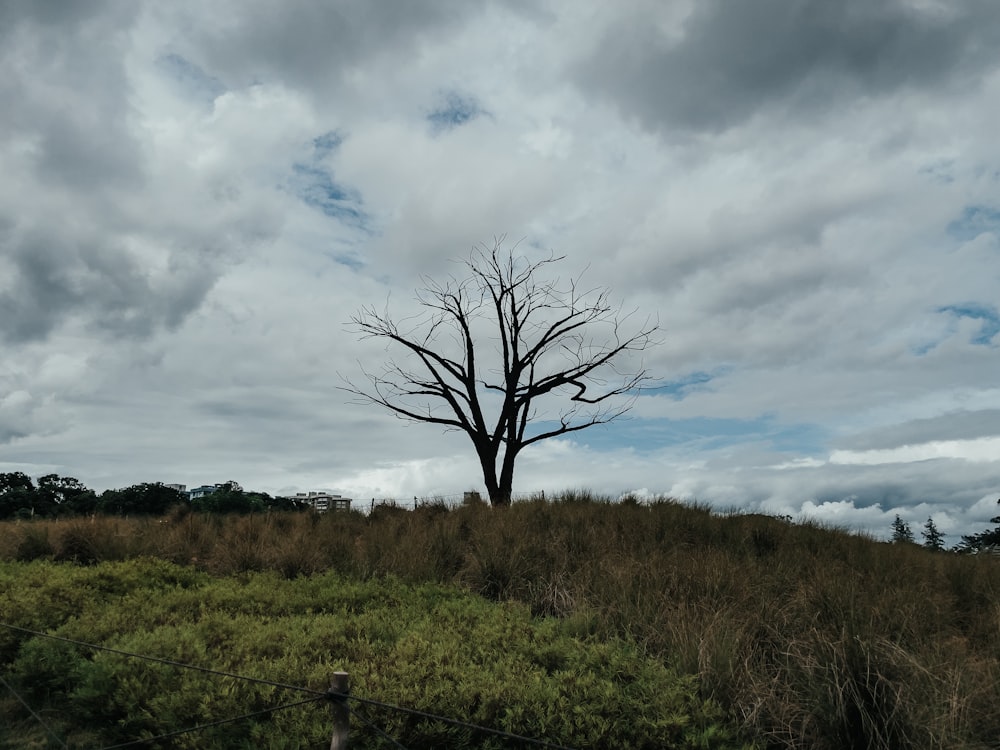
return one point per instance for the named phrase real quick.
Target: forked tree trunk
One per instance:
(505, 488)
(499, 496)
(499, 490)
(487, 460)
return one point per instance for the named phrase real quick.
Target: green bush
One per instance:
(424, 647)
(34, 544)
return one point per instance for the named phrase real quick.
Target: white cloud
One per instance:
(179, 254)
(982, 449)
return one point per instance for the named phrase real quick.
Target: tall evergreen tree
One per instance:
(901, 531)
(933, 539)
(984, 539)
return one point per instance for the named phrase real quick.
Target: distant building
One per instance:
(205, 489)
(179, 487)
(322, 501)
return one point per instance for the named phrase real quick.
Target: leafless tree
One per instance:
(493, 353)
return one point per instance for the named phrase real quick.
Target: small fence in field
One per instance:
(451, 500)
(338, 695)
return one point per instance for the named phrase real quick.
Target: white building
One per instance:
(205, 489)
(323, 501)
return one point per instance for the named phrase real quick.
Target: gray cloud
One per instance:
(51, 13)
(857, 497)
(190, 78)
(960, 425)
(51, 279)
(244, 175)
(734, 60)
(940, 486)
(15, 415)
(65, 71)
(308, 45)
(88, 235)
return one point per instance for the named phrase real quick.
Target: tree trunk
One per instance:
(497, 491)
(500, 496)
(505, 487)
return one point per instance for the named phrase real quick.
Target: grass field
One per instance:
(803, 636)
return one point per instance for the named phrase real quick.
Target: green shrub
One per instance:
(424, 647)
(34, 544)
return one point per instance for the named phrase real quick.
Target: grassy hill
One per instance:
(805, 636)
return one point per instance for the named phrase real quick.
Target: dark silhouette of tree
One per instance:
(17, 494)
(494, 351)
(933, 539)
(56, 495)
(984, 539)
(52, 496)
(280, 502)
(230, 497)
(901, 531)
(148, 498)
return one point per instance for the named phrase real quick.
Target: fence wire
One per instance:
(168, 662)
(317, 696)
(37, 718)
(209, 725)
(376, 729)
(454, 722)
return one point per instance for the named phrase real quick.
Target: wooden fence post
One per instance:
(341, 713)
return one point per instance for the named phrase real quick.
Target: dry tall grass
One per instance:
(812, 637)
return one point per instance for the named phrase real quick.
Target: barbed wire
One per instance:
(220, 722)
(318, 694)
(168, 662)
(377, 730)
(38, 718)
(451, 499)
(457, 499)
(454, 722)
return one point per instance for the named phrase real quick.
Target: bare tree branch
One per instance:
(540, 340)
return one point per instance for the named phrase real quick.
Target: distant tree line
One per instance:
(934, 539)
(53, 496)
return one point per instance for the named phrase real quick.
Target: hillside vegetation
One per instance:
(807, 637)
(425, 647)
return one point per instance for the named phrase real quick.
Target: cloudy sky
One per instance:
(196, 197)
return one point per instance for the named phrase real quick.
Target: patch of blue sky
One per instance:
(925, 347)
(313, 183)
(700, 433)
(987, 314)
(875, 495)
(315, 186)
(456, 110)
(191, 77)
(327, 143)
(685, 386)
(349, 259)
(974, 221)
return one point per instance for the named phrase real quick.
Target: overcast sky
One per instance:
(195, 197)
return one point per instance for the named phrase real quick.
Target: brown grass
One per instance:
(812, 637)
